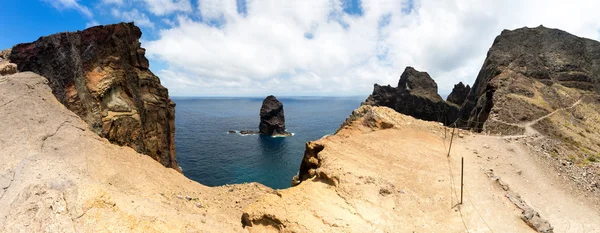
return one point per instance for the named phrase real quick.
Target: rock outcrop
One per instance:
(416, 95)
(6, 67)
(459, 94)
(102, 75)
(272, 119)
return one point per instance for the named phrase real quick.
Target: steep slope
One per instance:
(540, 81)
(102, 75)
(57, 175)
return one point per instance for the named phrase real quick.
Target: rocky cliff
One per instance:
(272, 118)
(540, 81)
(459, 94)
(57, 175)
(102, 75)
(416, 95)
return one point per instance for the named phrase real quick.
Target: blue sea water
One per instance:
(213, 157)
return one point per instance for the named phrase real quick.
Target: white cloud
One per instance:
(91, 24)
(165, 7)
(116, 2)
(217, 9)
(266, 51)
(134, 15)
(70, 4)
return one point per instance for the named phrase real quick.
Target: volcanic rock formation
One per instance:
(272, 119)
(102, 75)
(529, 73)
(416, 95)
(459, 94)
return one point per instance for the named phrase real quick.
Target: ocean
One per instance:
(210, 155)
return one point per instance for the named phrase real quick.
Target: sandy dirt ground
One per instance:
(401, 180)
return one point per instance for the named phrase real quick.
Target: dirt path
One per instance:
(528, 125)
(524, 172)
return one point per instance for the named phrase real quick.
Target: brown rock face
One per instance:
(528, 73)
(6, 68)
(459, 94)
(102, 75)
(416, 95)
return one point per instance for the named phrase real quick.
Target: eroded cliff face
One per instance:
(102, 75)
(532, 64)
(540, 81)
(57, 175)
(416, 95)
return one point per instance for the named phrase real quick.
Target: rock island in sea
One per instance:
(272, 119)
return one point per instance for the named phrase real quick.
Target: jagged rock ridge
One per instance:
(459, 94)
(102, 75)
(416, 95)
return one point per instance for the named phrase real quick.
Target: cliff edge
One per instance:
(102, 75)
(387, 172)
(57, 175)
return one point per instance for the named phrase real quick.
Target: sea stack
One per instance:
(272, 120)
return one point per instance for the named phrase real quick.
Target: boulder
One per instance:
(272, 119)
(102, 75)
(7, 68)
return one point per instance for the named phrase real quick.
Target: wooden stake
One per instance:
(451, 137)
(462, 171)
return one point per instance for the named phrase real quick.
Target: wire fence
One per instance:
(453, 192)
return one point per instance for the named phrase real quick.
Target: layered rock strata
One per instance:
(102, 75)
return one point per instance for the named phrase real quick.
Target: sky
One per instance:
(303, 47)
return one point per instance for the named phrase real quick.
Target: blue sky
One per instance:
(308, 47)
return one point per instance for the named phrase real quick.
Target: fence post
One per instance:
(451, 137)
(462, 171)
